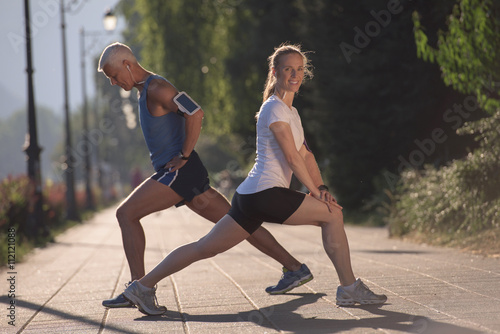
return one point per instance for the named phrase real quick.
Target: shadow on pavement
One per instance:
(390, 251)
(283, 318)
(41, 309)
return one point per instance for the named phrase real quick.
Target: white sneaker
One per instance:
(361, 294)
(144, 298)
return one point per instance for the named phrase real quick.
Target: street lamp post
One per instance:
(35, 215)
(87, 172)
(109, 24)
(68, 166)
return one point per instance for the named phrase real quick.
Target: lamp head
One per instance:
(109, 20)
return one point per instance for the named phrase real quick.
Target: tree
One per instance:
(464, 196)
(468, 52)
(12, 136)
(186, 41)
(371, 97)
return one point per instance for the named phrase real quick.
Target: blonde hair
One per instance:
(273, 61)
(114, 53)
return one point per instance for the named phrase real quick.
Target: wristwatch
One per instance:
(181, 155)
(323, 187)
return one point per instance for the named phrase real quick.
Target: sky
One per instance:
(47, 52)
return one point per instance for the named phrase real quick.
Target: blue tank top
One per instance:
(165, 134)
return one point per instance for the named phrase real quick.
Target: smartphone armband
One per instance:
(186, 104)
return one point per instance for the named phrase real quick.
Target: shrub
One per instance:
(15, 195)
(463, 197)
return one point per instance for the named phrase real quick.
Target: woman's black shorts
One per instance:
(274, 205)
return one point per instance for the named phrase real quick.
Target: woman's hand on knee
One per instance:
(330, 202)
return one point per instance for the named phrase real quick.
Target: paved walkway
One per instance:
(59, 289)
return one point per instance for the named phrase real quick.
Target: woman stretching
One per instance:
(265, 195)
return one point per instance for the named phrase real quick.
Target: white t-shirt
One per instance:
(271, 168)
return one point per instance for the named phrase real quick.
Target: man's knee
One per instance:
(123, 214)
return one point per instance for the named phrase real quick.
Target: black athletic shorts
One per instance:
(189, 181)
(274, 205)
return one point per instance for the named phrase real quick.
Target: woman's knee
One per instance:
(335, 217)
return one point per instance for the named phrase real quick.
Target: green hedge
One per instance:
(462, 198)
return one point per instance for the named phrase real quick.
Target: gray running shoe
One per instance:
(144, 298)
(119, 301)
(362, 295)
(290, 280)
